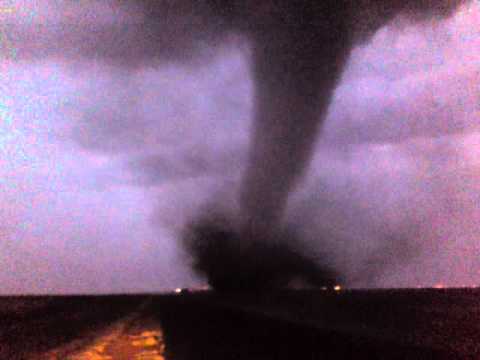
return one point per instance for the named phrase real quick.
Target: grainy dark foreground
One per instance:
(301, 324)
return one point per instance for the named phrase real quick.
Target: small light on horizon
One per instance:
(337, 288)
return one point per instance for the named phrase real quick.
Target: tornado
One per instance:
(296, 65)
(299, 49)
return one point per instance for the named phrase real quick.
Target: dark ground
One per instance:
(28, 331)
(306, 324)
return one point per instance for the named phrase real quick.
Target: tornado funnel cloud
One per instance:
(294, 81)
(299, 50)
(295, 69)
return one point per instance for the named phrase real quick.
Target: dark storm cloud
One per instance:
(129, 34)
(147, 102)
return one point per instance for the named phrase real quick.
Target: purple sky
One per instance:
(101, 164)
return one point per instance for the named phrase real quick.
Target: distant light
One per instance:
(337, 288)
(178, 290)
(439, 286)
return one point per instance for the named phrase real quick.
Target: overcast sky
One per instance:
(101, 163)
